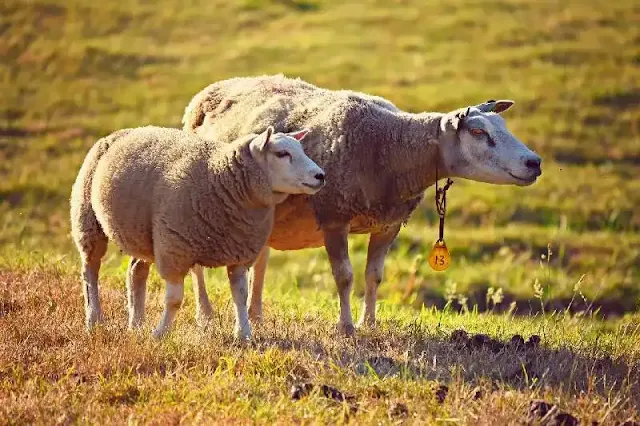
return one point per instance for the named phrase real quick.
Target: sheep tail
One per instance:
(86, 231)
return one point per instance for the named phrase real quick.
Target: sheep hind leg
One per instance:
(174, 294)
(377, 252)
(137, 274)
(91, 261)
(257, 284)
(204, 311)
(337, 246)
(238, 280)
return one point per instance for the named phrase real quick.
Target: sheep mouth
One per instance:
(315, 187)
(528, 180)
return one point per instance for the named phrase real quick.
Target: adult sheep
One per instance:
(169, 197)
(379, 161)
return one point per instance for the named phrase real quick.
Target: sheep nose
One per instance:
(533, 163)
(320, 177)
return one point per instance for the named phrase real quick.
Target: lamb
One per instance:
(380, 161)
(169, 197)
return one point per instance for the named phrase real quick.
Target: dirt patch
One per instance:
(481, 341)
(441, 393)
(549, 414)
(299, 391)
(398, 410)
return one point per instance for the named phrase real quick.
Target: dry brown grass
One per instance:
(52, 371)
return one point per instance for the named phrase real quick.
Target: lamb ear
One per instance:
(267, 136)
(260, 142)
(299, 135)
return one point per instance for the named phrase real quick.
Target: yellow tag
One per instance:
(439, 257)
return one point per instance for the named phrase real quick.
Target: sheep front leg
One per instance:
(377, 252)
(257, 284)
(337, 245)
(174, 293)
(238, 279)
(204, 312)
(137, 274)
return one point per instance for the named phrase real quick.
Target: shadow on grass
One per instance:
(415, 353)
(605, 307)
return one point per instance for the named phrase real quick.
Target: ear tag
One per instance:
(439, 258)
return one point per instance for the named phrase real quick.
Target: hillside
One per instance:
(73, 71)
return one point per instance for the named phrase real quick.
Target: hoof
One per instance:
(159, 333)
(347, 330)
(204, 320)
(242, 334)
(135, 325)
(255, 316)
(93, 320)
(366, 323)
(240, 337)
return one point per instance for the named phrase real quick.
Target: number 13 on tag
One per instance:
(439, 258)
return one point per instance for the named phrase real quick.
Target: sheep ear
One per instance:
(503, 105)
(299, 135)
(260, 142)
(496, 106)
(458, 118)
(267, 137)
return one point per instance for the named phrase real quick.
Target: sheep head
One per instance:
(289, 169)
(478, 146)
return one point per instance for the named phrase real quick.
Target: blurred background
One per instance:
(73, 71)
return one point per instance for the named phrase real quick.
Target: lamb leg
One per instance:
(257, 283)
(238, 280)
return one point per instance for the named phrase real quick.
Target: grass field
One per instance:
(560, 259)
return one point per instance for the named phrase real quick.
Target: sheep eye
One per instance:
(282, 154)
(478, 132)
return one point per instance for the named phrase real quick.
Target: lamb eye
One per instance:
(282, 154)
(477, 132)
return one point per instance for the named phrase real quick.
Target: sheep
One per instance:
(168, 197)
(380, 161)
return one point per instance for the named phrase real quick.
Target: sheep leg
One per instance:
(337, 245)
(378, 248)
(137, 274)
(93, 310)
(238, 279)
(257, 283)
(91, 260)
(204, 312)
(174, 293)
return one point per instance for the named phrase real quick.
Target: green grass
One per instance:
(73, 71)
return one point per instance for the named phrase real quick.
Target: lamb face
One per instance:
(289, 169)
(488, 152)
